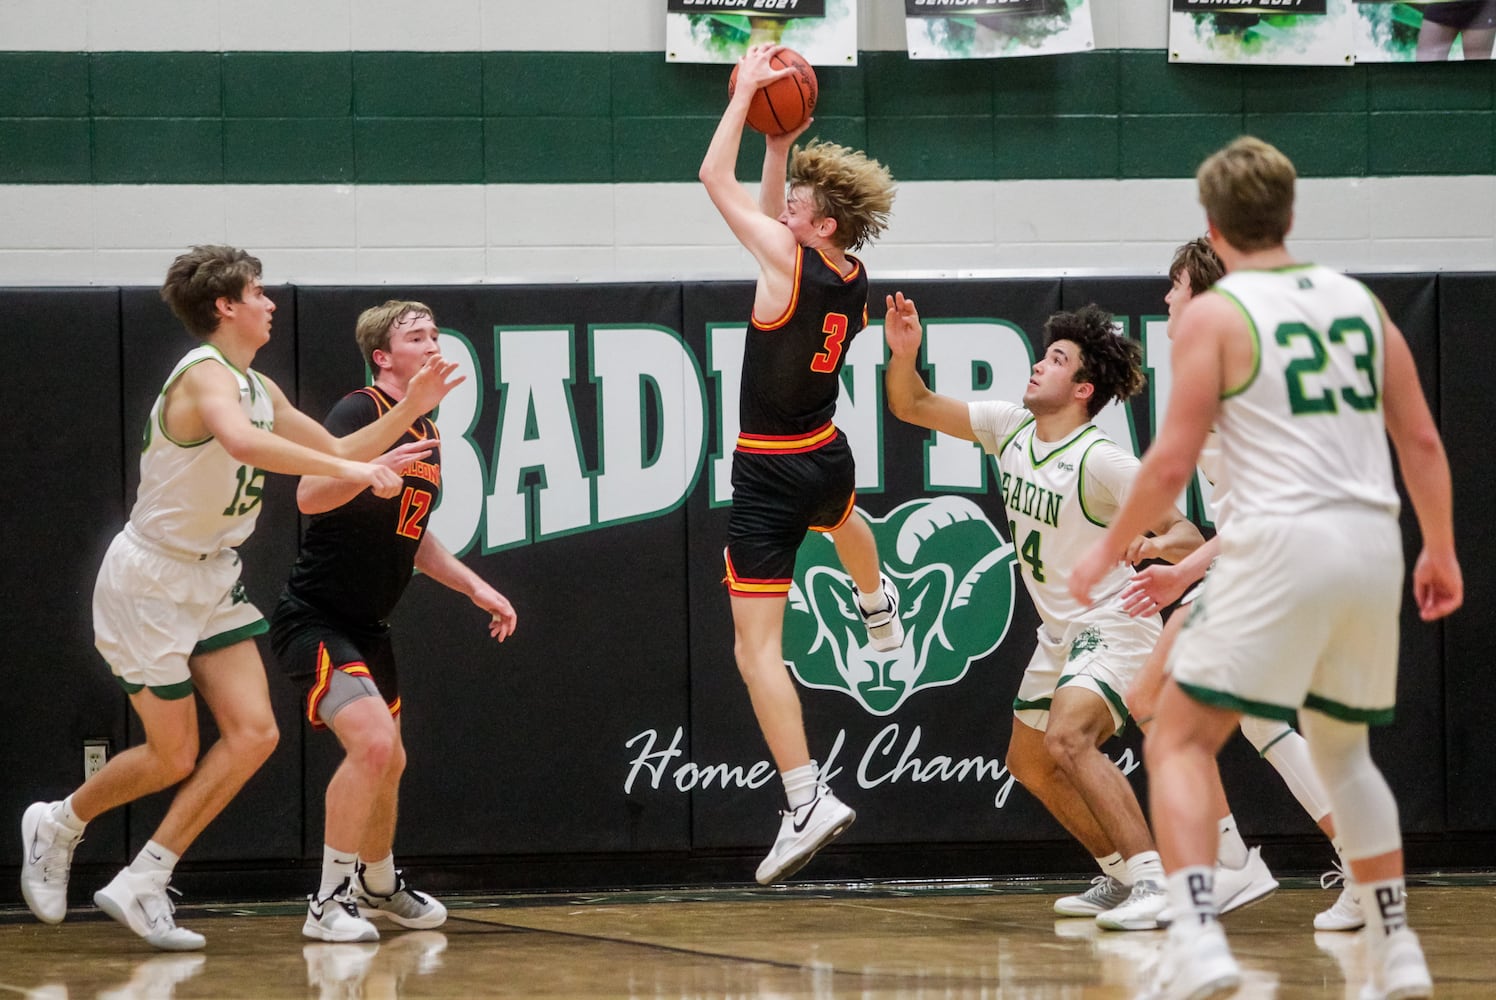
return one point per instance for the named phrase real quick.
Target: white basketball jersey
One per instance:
(1059, 496)
(1214, 471)
(1306, 430)
(194, 496)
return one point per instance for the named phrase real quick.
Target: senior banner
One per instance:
(720, 31)
(985, 29)
(1408, 30)
(1266, 32)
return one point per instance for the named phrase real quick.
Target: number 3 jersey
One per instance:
(1059, 497)
(791, 362)
(1306, 430)
(194, 496)
(356, 560)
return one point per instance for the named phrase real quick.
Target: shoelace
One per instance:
(156, 914)
(56, 860)
(1335, 876)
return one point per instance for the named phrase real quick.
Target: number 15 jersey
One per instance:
(1306, 429)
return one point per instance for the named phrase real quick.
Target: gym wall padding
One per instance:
(613, 727)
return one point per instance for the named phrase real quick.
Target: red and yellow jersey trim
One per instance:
(846, 513)
(789, 311)
(738, 586)
(852, 271)
(786, 444)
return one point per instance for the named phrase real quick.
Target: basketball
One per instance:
(785, 103)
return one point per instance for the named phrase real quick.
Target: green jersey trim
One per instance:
(1348, 713)
(1080, 486)
(1038, 464)
(1246, 706)
(223, 640)
(1013, 434)
(1256, 345)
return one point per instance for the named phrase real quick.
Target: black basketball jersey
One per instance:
(357, 559)
(792, 362)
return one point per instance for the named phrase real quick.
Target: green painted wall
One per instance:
(598, 117)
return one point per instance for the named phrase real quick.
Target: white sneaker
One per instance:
(1396, 969)
(157, 978)
(1236, 887)
(1105, 894)
(1345, 913)
(405, 906)
(140, 902)
(885, 632)
(336, 918)
(1196, 964)
(46, 857)
(802, 832)
(1140, 910)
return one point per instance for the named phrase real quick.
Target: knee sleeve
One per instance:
(1289, 754)
(1366, 821)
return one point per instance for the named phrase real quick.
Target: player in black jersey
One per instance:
(792, 470)
(331, 635)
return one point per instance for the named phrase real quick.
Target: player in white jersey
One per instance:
(1241, 876)
(1062, 480)
(170, 614)
(1304, 376)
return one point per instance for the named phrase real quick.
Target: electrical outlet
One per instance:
(95, 753)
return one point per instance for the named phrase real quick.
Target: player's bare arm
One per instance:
(319, 494)
(771, 185)
(436, 561)
(427, 388)
(770, 242)
(909, 398)
(1169, 463)
(1159, 586)
(1438, 585)
(206, 397)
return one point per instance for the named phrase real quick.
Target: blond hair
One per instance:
(373, 328)
(200, 277)
(847, 186)
(1247, 192)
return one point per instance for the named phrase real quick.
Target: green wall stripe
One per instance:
(629, 117)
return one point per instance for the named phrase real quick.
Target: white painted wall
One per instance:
(79, 234)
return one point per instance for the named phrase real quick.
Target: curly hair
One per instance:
(1198, 259)
(847, 186)
(1109, 361)
(200, 277)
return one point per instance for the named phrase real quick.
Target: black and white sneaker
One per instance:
(336, 918)
(802, 832)
(885, 632)
(405, 906)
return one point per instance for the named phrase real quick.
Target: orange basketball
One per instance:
(785, 103)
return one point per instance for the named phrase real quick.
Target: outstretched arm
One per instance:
(909, 398)
(770, 242)
(1438, 586)
(433, 559)
(427, 388)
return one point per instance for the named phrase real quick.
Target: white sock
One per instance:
(63, 815)
(1192, 895)
(1232, 851)
(1114, 867)
(154, 859)
(379, 876)
(800, 784)
(1385, 906)
(337, 866)
(870, 602)
(1145, 865)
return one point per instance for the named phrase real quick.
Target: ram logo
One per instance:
(955, 578)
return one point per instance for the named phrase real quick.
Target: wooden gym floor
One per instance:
(885, 940)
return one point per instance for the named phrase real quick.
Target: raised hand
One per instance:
(429, 386)
(901, 326)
